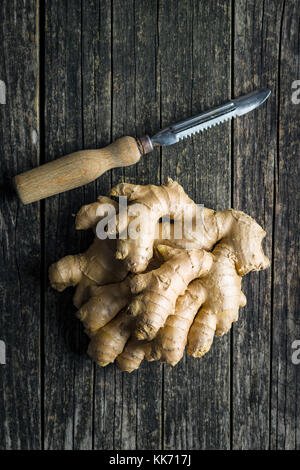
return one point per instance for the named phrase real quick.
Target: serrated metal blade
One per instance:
(237, 107)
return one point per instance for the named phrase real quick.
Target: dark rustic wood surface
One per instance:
(79, 74)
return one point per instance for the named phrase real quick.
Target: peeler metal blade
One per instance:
(236, 107)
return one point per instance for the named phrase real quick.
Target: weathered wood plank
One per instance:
(68, 379)
(20, 412)
(134, 111)
(96, 83)
(119, 389)
(285, 410)
(147, 121)
(256, 53)
(194, 42)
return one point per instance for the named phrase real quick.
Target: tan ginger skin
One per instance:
(183, 294)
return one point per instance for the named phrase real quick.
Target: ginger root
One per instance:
(155, 293)
(151, 295)
(96, 266)
(151, 203)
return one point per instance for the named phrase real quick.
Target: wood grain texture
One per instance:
(119, 427)
(75, 170)
(20, 412)
(196, 401)
(147, 120)
(68, 375)
(91, 72)
(135, 98)
(256, 55)
(96, 111)
(285, 410)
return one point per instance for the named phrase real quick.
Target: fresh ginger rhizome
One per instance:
(150, 294)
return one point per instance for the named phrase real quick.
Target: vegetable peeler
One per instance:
(79, 168)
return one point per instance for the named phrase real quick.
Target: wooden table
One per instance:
(79, 74)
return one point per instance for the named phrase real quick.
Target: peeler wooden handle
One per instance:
(75, 170)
